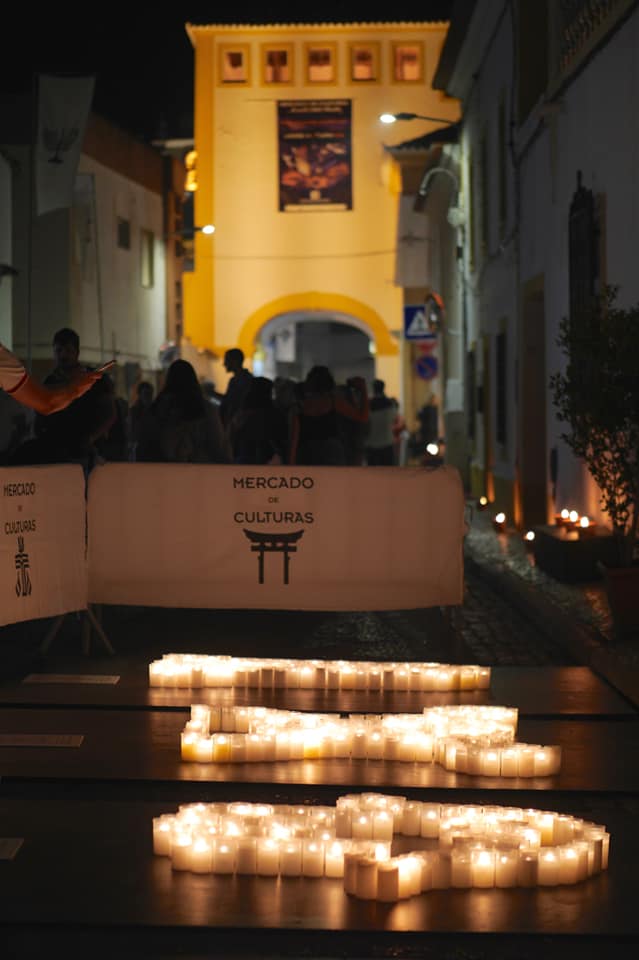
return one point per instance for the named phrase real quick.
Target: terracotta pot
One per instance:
(622, 587)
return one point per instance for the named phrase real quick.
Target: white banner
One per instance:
(63, 111)
(298, 538)
(42, 542)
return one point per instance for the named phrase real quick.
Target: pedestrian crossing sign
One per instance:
(416, 323)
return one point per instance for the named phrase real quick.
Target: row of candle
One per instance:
(199, 670)
(478, 741)
(475, 846)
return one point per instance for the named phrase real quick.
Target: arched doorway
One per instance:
(291, 334)
(291, 343)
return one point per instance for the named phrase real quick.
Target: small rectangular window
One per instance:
(364, 62)
(277, 64)
(234, 64)
(124, 234)
(147, 249)
(320, 63)
(408, 62)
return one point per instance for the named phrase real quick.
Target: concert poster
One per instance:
(315, 166)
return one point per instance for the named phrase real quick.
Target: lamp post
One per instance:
(393, 117)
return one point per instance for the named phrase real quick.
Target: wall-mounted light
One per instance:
(393, 117)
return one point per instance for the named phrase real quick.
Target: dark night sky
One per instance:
(142, 58)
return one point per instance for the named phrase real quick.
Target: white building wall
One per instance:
(118, 316)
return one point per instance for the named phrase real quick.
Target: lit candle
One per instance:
(312, 858)
(366, 878)
(224, 855)
(568, 864)
(506, 861)
(201, 855)
(483, 868)
(461, 874)
(162, 834)
(430, 820)
(334, 859)
(267, 857)
(527, 868)
(181, 850)
(246, 855)
(291, 858)
(388, 881)
(548, 868)
(362, 826)
(382, 825)
(411, 819)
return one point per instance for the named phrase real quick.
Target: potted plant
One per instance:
(597, 396)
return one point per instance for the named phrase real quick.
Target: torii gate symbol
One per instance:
(284, 543)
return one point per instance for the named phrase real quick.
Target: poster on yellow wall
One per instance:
(314, 138)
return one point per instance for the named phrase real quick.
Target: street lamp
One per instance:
(393, 117)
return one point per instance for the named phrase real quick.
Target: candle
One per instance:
(291, 858)
(334, 859)
(267, 857)
(506, 861)
(362, 827)
(366, 878)
(547, 761)
(312, 858)
(410, 875)
(548, 868)
(351, 858)
(202, 750)
(568, 864)
(509, 762)
(483, 868)
(224, 855)
(246, 855)
(430, 820)
(527, 868)
(460, 866)
(181, 850)
(162, 834)
(388, 881)
(441, 871)
(201, 855)
(382, 826)
(411, 819)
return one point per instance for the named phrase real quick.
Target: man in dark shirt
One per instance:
(239, 383)
(73, 434)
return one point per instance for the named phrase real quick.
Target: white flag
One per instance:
(63, 111)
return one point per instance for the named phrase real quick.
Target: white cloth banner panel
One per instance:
(42, 542)
(296, 538)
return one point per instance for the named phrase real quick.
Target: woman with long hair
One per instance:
(181, 425)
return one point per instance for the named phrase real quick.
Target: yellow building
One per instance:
(294, 171)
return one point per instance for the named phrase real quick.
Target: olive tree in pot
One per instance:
(597, 397)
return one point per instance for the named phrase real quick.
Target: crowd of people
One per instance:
(314, 422)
